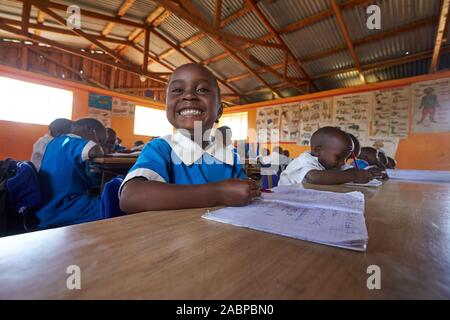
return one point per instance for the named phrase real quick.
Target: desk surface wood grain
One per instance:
(179, 255)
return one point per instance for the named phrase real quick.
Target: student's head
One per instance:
(138, 143)
(90, 129)
(356, 145)
(265, 152)
(286, 153)
(369, 154)
(223, 134)
(391, 164)
(382, 160)
(59, 127)
(193, 95)
(110, 140)
(277, 149)
(331, 146)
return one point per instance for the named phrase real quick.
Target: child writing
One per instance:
(184, 170)
(371, 156)
(56, 128)
(64, 179)
(330, 148)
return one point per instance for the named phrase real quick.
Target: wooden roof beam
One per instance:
(348, 40)
(440, 35)
(26, 10)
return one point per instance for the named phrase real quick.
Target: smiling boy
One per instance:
(186, 170)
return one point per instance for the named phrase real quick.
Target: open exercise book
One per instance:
(335, 219)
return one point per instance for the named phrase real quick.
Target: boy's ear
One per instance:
(219, 112)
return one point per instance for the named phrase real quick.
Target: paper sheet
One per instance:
(372, 183)
(419, 175)
(335, 219)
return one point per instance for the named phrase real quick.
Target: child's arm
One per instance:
(96, 152)
(338, 177)
(140, 195)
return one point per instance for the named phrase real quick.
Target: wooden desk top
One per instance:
(115, 160)
(179, 255)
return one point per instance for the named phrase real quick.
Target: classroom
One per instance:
(224, 150)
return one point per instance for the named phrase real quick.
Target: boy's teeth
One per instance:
(190, 112)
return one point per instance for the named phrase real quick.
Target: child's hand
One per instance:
(237, 192)
(378, 174)
(360, 176)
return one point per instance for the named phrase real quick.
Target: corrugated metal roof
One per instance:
(248, 26)
(157, 45)
(415, 41)
(393, 14)
(177, 28)
(228, 67)
(270, 78)
(205, 48)
(342, 80)
(282, 13)
(336, 61)
(316, 37)
(444, 62)
(208, 7)
(398, 71)
(247, 84)
(176, 59)
(103, 6)
(267, 55)
(140, 10)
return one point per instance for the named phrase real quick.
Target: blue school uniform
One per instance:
(177, 159)
(64, 181)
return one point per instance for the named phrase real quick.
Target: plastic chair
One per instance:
(110, 199)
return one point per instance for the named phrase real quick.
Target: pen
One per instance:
(354, 160)
(266, 191)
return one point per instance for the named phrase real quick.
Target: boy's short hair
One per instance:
(322, 136)
(138, 143)
(90, 124)
(60, 127)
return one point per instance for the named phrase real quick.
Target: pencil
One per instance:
(354, 160)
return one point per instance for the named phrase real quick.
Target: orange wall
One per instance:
(428, 151)
(17, 139)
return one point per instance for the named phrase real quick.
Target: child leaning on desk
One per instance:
(185, 170)
(330, 149)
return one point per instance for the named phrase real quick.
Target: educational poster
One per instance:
(306, 131)
(391, 112)
(99, 101)
(290, 121)
(352, 108)
(122, 108)
(104, 116)
(431, 106)
(268, 124)
(359, 129)
(314, 111)
(386, 144)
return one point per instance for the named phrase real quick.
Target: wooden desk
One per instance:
(110, 167)
(178, 255)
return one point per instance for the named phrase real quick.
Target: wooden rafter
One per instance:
(66, 67)
(63, 31)
(93, 57)
(26, 10)
(202, 25)
(321, 16)
(126, 5)
(372, 38)
(440, 35)
(146, 49)
(218, 14)
(385, 63)
(348, 40)
(268, 25)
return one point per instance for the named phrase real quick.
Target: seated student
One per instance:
(356, 162)
(287, 155)
(64, 179)
(109, 145)
(382, 160)
(118, 145)
(330, 148)
(56, 128)
(264, 158)
(184, 170)
(278, 161)
(370, 155)
(392, 164)
(138, 146)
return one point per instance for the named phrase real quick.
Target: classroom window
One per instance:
(151, 122)
(33, 103)
(238, 124)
